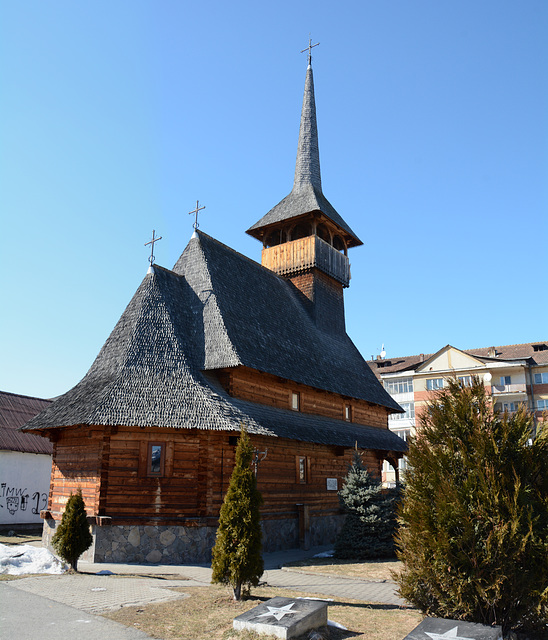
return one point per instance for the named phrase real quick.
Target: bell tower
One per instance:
(304, 239)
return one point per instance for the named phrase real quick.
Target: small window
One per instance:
(542, 405)
(466, 381)
(434, 383)
(156, 459)
(540, 347)
(541, 378)
(504, 380)
(408, 407)
(296, 401)
(404, 385)
(348, 412)
(303, 471)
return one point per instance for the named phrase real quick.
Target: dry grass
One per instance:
(376, 570)
(207, 613)
(20, 538)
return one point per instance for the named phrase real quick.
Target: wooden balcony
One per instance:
(305, 253)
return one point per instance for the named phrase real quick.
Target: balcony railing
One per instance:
(519, 387)
(305, 253)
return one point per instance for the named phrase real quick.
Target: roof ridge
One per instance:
(23, 395)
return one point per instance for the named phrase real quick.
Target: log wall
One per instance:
(264, 388)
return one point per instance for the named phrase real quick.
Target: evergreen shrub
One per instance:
(369, 526)
(473, 533)
(73, 535)
(237, 554)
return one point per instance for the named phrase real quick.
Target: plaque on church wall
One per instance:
(332, 484)
(439, 629)
(284, 617)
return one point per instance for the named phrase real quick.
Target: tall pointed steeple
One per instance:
(307, 167)
(307, 196)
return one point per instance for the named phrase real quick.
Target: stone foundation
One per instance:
(147, 544)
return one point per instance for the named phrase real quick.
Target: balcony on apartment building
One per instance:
(513, 388)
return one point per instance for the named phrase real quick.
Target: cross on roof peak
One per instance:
(195, 211)
(309, 49)
(154, 239)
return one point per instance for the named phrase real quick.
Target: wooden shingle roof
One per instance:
(218, 309)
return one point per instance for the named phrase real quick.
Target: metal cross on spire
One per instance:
(154, 239)
(309, 49)
(198, 208)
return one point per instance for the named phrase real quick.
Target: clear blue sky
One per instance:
(115, 117)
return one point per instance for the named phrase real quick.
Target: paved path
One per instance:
(144, 584)
(26, 616)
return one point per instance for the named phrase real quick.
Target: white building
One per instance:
(25, 463)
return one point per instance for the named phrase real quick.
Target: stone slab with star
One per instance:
(440, 629)
(284, 617)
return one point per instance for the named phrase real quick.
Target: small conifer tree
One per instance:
(473, 533)
(237, 554)
(73, 535)
(369, 526)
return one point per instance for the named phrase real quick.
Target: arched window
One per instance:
(339, 244)
(323, 232)
(301, 230)
(274, 238)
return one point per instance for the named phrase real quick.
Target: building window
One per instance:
(541, 378)
(303, 471)
(434, 383)
(156, 459)
(466, 381)
(405, 385)
(348, 412)
(542, 405)
(296, 401)
(504, 380)
(409, 408)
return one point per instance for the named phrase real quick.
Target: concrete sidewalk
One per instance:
(144, 584)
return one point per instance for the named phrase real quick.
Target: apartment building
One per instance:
(513, 374)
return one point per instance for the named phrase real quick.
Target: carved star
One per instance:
(451, 635)
(278, 612)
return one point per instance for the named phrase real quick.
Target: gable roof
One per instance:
(535, 352)
(423, 365)
(15, 411)
(217, 309)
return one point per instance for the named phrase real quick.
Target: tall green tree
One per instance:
(73, 535)
(237, 554)
(369, 526)
(473, 533)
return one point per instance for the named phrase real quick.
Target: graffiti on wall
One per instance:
(16, 499)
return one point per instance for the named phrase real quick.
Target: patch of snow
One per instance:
(318, 599)
(330, 623)
(23, 559)
(325, 554)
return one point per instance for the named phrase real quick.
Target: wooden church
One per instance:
(214, 344)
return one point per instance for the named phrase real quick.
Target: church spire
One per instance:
(307, 167)
(306, 198)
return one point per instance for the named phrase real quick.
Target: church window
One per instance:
(302, 230)
(348, 412)
(156, 459)
(296, 401)
(302, 469)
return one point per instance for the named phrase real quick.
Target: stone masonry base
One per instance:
(159, 544)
